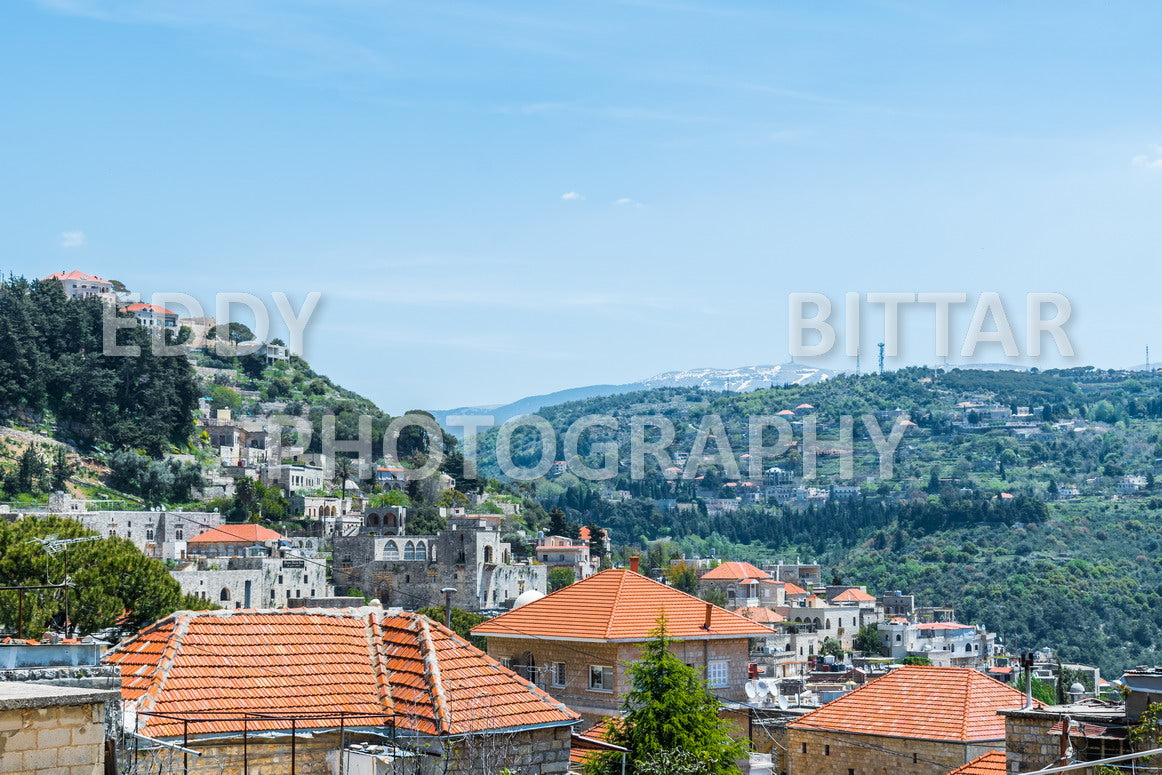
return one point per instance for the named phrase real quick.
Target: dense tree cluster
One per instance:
(52, 359)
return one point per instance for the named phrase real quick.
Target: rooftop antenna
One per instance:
(857, 361)
(881, 346)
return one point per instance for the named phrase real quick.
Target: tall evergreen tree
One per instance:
(670, 714)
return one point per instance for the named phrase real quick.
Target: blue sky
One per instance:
(410, 161)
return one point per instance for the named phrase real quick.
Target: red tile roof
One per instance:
(920, 702)
(152, 308)
(400, 666)
(617, 605)
(793, 589)
(75, 275)
(760, 614)
(735, 571)
(992, 763)
(232, 534)
(853, 595)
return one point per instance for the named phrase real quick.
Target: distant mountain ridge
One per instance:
(738, 380)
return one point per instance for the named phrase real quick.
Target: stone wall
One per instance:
(62, 735)
(834, 753)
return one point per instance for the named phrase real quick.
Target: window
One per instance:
(803, 749)
(421, 551)
(558, 674)
(178, 533)
(506, 662)
(409, 551)
(149, 534)
(391, 551)
(826, 750)
(850, 771)
(716, 673)
(915, 758)
(600, 678)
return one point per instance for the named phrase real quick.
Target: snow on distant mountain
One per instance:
(739, 380)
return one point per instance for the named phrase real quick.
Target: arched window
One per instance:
(488, 555)
(373, 520)
(409, 551)
(421, 550)
(224, 595)
(391, 551)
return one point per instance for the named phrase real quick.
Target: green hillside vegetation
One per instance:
(53, 371)
(1082, 575)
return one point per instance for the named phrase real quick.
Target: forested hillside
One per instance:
(53, 372)
(1082, 573)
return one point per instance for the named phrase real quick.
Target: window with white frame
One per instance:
(601, 678)
(506, 662)
(558, 674)
(716, 674)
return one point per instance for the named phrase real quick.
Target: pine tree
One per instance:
(669, 713)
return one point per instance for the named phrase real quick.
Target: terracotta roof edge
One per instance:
(435, 682)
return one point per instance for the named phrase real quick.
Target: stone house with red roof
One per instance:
(743, 585)
(285, 691)
(913, 721)
(576, 643)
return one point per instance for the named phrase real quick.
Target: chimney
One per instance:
(709, 609)
(633, 561)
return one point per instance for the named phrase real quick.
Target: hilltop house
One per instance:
(152, 316)
(291, 691)
(78, 285)
(913, 721)
(577, 642)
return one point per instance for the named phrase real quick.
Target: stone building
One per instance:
(410, 571)
(743, 585)
(159, 534)
(911, 721)
(250, 566)
(332, 682)
(577, 642)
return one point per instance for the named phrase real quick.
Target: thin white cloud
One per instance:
(572, 196)
(625, 201)
(72, 239)
(1151, 161)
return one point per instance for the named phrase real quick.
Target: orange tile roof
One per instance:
(760, 614)
(138, 306)
(920, 702)
(75, 275)
(735, 571)
(992, 763)
(853, 595)
(356, 660)
(793, 589)
(232, 534)
(617, 605)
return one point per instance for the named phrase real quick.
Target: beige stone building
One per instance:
(911, 721)
(576, 643)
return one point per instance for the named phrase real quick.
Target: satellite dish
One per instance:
(764, 687)
(783, 704)
(751, 693)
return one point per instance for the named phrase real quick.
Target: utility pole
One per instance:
(448, 606)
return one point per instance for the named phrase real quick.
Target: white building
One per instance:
(78, 285)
